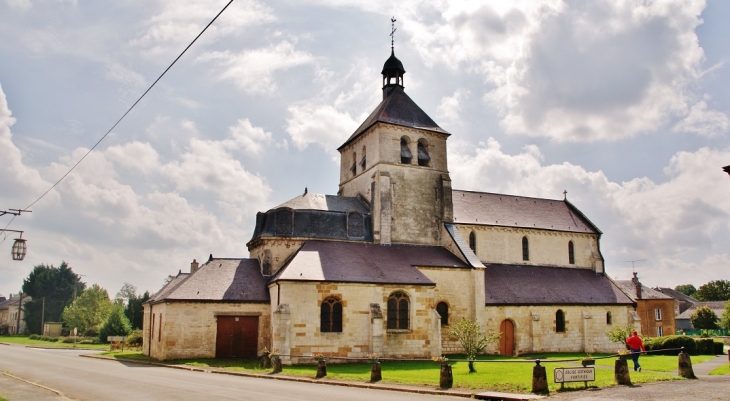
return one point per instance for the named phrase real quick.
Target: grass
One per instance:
(24, 340)
(721, 370)
(495, 373)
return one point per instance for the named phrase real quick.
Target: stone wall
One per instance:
(272, 253)
(189, 328)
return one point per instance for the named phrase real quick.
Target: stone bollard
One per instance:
(446, 380)
(621, 372)
(685, 366)
(539, 379)
(265, 360)
(321, 369)
(276, 362)
(375, 375)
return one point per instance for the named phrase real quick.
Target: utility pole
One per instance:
(43, 313)
(20, 305)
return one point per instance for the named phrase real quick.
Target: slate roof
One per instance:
(346, 262)
(676, 294)
(167, 288)
(222, 280)
(330, 203)
(398, 109)
(13, 301)
(463, 246)
(491, 209)
(541, 285)
(629, 288)
(717, 306)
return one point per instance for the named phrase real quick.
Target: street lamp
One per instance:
(19, 246)
(727, 169)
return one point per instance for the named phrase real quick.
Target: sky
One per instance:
(623, 104)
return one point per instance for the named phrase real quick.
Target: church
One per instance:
(393, 258)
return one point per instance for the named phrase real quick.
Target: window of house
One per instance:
(331, 316)
(423, 157)
(443, 309)
(658, 314)
(405, 152)
(659, 331)
(525, 249)
(473, 242)
(609, 318)
(560, 321)
(398, 308)
(571, 254)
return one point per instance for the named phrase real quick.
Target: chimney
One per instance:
(637, 286)
(194, 266)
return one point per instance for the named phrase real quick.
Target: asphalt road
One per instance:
(92, 379)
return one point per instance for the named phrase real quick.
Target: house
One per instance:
(383, 266)
(11, 317)
(655, 310)
(684, 319)
(682, 301)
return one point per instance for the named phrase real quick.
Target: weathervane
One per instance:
(392, 32)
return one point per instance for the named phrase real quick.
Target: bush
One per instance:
(671, 344)
(68, 340)
(718, 345)
(705, 346)
(91, 332)
(116, 325)
(135, 337)
(34, 337)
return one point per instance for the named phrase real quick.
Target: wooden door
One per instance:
(507, 340)
(237, 337)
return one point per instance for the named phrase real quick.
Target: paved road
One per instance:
(92, 379)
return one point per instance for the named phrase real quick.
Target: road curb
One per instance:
(39, 347)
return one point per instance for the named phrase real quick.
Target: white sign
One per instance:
(115, 339)
(75, 331)
(566, 375)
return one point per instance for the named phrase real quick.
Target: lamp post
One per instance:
(20, 248)
(726, 169)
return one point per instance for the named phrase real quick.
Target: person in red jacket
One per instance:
(637, 347)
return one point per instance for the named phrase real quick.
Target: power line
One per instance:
(130, 109)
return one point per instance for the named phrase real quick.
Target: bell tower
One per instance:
(396, 162)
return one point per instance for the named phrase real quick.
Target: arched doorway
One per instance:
(507, 340)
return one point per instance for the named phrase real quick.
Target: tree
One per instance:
(716, 290)
(116, 324)
(91, 309)
(619, 334)
(725, 322)
(704, 318)
(686, 289)
(52, 290)
(133, 304)
(469, 334)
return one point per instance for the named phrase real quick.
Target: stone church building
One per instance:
(383, 266)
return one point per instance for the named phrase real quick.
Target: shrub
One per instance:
(619, 334)
(68, 340)
(671, 344)
(34, 337)
(92, 332)
(718, 346)
(705, 346)
(135, 337)
(116, 325)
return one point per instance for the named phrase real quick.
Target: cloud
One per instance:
(703, 122)
(252, 70)
(251, 139)
(449, 108)
(319, 124)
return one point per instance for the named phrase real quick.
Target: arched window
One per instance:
(330, 320)
(559, 321)
(405, 152)
(473, 241)
(353, 168)
(423, 157)
(571, 254)
(363, 161)
(525, 249)
(398, 307)
(443, 309)
(609, 319)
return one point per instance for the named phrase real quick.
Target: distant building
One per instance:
(9, 314)
(392, 259)
(683, 320)
(655, 310)
(682, 301)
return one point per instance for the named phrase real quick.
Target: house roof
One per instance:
(13, 301)
(330, 203)
(629, 288)
(717, 306)
(223, 280)
(365, 263)
(676, 294)
(398, 109)
(483, 208)
(542, 285)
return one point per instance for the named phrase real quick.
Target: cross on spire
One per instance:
(392, 32)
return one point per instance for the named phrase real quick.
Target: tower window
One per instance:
(473, 241)
(363, 161)
(525, 249)
(405, 153)
(443, 310)
(423, 157)
(571, 254)
(398, 311)
(331, 316)
(609, 318)
(353, 168)
(559, 321)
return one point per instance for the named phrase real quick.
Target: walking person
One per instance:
(637, 347)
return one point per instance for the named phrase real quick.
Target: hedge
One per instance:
(699, 346)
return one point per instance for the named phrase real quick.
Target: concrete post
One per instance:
(685, 366)
(446, 381)
(539, 379)
(265, 360)
(375, 375)
(621, 372)
(277, 365)
(321, 369)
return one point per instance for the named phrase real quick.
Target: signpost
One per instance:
(569, 375)
(115, 339)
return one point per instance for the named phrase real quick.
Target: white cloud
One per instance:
(449, 108)
(252, 70)
(138, 156)
(319, 124)
(251, 139)
(704, 122)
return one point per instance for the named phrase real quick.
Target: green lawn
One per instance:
(721, 370)
(24, 340)
(495, 373)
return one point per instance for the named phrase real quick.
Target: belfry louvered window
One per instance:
(398, 311)
(525, 249)
(331, 316)
(423, 157)
(405, 152)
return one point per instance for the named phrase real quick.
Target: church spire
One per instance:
(392, 69)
